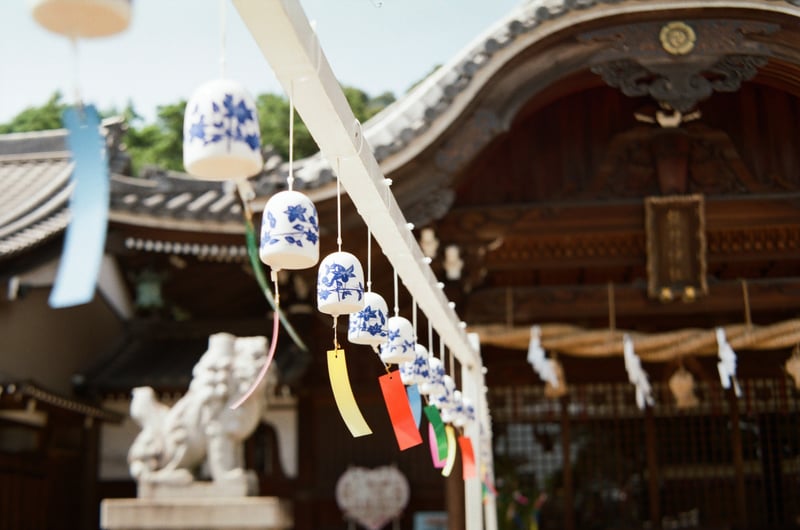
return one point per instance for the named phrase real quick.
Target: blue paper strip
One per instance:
(415, 400)
(86, 234)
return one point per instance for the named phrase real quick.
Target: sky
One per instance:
(173, 46)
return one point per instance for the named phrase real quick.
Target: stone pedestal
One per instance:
(263, 513)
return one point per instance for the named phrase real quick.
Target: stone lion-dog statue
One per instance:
(201, 434)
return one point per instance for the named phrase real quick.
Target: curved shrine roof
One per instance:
(35, 167)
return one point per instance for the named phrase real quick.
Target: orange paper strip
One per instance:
(467, 457)
(451, 451)
(343, 394)
(394, 394)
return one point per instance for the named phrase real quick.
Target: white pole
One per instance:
(284, 35)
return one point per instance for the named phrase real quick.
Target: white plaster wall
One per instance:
(48, 346)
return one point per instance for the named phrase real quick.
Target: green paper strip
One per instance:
(261, 278)
(432, 413)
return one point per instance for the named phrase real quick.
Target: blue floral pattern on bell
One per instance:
(340, 284)
(230, 120)
(289, 232)
(433, 379)
(399, 347)
(303, 228)
(368, 326)
(221, 136)
(412, 372)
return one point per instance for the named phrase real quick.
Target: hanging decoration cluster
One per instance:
(221, 142)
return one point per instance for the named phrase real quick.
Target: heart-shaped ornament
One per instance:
(372, 497)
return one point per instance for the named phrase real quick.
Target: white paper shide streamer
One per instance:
(727, 363)
(637, 376)
(536, 357)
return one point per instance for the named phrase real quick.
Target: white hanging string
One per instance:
(338, 207)
(396, 308)
(76, 73)
(414, 316)
(290, 180)
(222, 28)
(369, 259)
(430, 335)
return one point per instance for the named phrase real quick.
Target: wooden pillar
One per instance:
(738, 460)
(454, 497)
(569, 494)
(89, 514)
(303, 497)
(653, 489)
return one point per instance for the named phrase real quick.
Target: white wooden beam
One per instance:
(284, 35)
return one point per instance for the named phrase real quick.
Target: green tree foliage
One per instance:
(273, 118)
(48, 116)
(156, 144)
(161, 143)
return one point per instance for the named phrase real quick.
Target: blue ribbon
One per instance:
(86, 234)
(415, 400)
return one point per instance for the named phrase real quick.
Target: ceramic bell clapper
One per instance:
(289, 232)
(221, 137)
(369, 325)
(399, 347)
(82, 18)
(340, 284)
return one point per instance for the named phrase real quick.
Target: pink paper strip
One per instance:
(438, 463)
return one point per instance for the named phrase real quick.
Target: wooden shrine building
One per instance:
(593, 168)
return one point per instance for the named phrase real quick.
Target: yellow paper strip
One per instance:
(343, 394)
(451, 451)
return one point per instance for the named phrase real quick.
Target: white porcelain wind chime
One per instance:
(85, 237)
(82, 18)
(222, 142)
(369, 325)
(340, 291)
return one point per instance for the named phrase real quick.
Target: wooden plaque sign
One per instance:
(676, 247)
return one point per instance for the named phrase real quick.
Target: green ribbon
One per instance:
(261, 278)
(432, 413)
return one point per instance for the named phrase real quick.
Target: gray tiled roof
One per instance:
(34, 167)
(410, 116)
(33, 202)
